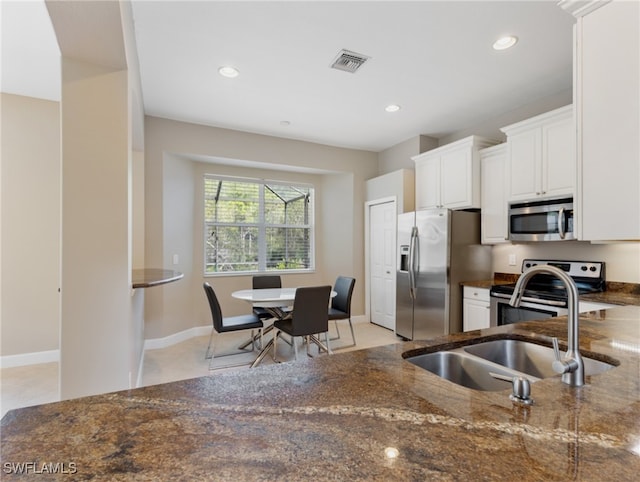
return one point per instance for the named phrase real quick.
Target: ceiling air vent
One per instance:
(349, 61)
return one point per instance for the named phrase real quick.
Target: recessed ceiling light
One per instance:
(228, 71)
(392, 108)
(504, 43)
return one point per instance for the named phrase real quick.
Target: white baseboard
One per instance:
(35, 358)
(155, 343)
(23, 359)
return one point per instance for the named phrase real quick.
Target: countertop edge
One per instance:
(149, 277)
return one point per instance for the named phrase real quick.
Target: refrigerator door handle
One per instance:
(412, 262)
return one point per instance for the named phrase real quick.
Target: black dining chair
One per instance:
(229, 324)
(260, 282)
(340, 308)
(308, 319)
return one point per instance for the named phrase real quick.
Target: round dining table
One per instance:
(267, 297)
(273, 300)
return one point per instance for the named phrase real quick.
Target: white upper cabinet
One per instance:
(428, 183)
(449, 176)
(493, 196)
(541, 158)
(607, 97)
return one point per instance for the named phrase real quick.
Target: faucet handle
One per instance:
(556, 348)
(559, 365)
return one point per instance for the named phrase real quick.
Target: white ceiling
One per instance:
(432, 58)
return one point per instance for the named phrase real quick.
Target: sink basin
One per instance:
(528, 358)
(463, 369)
(471, 366)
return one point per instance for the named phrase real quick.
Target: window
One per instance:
(253, 225)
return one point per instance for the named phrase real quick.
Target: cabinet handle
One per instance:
(538, 193)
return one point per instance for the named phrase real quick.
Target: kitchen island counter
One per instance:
(334, 417)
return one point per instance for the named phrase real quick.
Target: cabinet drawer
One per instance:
(480, 294)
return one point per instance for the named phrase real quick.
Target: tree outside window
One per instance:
(253, 225)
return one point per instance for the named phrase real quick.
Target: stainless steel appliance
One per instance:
(437, 249)
(545, 296)
(548, 220)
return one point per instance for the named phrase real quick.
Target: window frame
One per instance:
(261, 226)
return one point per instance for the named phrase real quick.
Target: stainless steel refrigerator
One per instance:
(437, 250)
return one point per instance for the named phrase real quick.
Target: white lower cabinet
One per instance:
(475, 308)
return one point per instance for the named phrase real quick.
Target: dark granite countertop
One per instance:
(332, 417)
(616, 293)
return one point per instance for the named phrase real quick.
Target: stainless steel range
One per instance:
(545, 296)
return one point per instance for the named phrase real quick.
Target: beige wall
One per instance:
(399, 184)
(137, 215)
(30, 203)
(491, 127)
(399, 156)
(95, 336)
(173, 214)
(623, 259)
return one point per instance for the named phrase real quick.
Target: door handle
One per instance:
(561, 221)
(412, 252)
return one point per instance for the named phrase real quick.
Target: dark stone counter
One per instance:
(331, 418)
(146, 278)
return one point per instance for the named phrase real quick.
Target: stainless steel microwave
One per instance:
(546, 220)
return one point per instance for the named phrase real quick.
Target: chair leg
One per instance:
(275, 345)
(337, 337)
(208, 355)
(322, 346)
(353, 337)
(326, 340)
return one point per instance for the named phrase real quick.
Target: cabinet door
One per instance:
(455, 179)
(524, 165)
(476, 314)
(428, 183)
(558, 158)
(609, 110)
(494, 196)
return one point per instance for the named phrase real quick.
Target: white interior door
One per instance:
(382, 262)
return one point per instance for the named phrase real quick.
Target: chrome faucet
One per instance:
(571, 366)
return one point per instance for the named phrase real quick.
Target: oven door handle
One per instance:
(530, 300)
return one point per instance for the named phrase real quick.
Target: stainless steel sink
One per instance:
(528, 358)
(471, 366)
(463, 369)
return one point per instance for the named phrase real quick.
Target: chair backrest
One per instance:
(266, 281)
(344, 288)
(310, 313)
(216, 311)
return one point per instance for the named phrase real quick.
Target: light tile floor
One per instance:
(37, 384)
